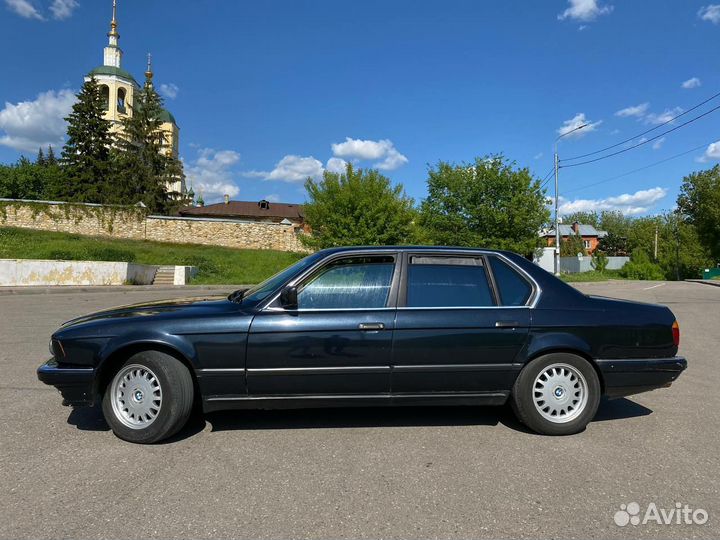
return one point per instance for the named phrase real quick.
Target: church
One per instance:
(118, 87)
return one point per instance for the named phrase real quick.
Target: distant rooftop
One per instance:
(247, 209)
(567, 230)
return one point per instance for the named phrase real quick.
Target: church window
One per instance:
(121, 100)
(105, 93)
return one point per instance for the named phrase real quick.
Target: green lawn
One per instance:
(217, 265)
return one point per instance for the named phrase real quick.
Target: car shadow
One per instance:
(91, 418)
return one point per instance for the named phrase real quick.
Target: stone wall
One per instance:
(133, 223)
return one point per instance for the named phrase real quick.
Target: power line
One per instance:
(643, 142)
(638, 169)
(644, 132)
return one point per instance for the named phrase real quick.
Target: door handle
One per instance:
(507, 324)
(371, 326)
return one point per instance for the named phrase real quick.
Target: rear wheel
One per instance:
(149, 398)
(556, 394)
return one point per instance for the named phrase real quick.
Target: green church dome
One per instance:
(113, 71)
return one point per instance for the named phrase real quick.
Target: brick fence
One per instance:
(133, 223)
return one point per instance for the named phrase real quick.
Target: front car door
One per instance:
(338, 340)
(457, 330)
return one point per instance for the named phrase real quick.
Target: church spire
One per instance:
(113, 54)
(149, 71)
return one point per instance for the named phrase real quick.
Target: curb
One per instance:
(713, 282)
(74, 289)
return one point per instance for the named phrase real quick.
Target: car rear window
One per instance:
(513, 288)
(447, 282)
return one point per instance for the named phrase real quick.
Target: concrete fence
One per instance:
(575, 265)
(133, 223)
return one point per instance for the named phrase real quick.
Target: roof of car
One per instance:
(409, 248)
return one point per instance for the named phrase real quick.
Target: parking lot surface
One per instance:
(357, 473)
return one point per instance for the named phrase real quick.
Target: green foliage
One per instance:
(641, 267)
(488, 203)
(613, 245)
(572, 245)
(599, 261)
(592, 275)
(699, 202)
(143, 166)
(217, 265)
(27, 180)
(86, 154)
(584, 218)
(357, 207)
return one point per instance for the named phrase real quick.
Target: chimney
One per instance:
(576, 227)
(227, 198)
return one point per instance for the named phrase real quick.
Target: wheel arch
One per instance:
(114, 358)
(568, 350)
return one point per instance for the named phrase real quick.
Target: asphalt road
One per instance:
(353, 473)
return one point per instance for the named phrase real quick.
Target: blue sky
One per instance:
(269, 92)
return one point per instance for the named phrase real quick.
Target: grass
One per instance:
(216, 265)
(592, 275)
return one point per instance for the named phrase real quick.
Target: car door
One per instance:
(453, 332)
(337, 341)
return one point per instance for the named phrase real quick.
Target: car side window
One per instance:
(353, 282)
(447, 282)
(513, 288)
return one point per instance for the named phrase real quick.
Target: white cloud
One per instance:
(211, 174)
(291, 168)
(575, 122)
(710, 13)
(336, 165)
(63, 9)
(633, 110)
(383, 150)
(24, 8)
(641, 140)
(170, 90)
(584, 10)
(712, 152)
(658, 144)
(663, 117)
(29, 125)
(693, 82)
(633, 204)
(538, 155)
(273, 197)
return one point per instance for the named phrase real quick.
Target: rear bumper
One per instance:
(625, 377)
(75, 384)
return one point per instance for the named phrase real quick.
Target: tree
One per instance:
(572, 245)
(613, 245)
(143, 163)
(699, 203)
(86, 154)
(357, 207)
(488, 203)
(599, 261)
(585, 218)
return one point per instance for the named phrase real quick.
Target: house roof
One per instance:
(247, 209)
(567, 230)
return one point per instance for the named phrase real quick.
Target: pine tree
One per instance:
(40, 160)
(51, 160)
(143, 165)
(86, 154)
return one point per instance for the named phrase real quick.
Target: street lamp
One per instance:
(557, 218)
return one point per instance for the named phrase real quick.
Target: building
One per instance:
(118, 88)
(589, 234)
(258, 211)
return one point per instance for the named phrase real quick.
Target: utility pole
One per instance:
(656, 242)
(557, 196)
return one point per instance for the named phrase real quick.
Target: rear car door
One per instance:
(338, 340)
(457, 330)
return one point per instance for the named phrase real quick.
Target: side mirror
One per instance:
(289, 297)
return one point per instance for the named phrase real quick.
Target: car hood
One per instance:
(192, 306)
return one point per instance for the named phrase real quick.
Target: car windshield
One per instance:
(261, 291)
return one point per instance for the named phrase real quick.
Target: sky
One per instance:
(267, 93)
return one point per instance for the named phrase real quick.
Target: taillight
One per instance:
(676, 333)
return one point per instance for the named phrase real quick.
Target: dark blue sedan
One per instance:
(366, 327)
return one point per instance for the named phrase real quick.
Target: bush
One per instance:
(206, 267)
(599, 261)
(641, 267)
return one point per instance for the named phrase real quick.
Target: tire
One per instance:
(556, 394)
(149, 398)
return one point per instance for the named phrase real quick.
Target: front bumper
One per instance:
(625, 377)
(75, 384)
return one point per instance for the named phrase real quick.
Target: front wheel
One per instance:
(556, 394)
(149, 398)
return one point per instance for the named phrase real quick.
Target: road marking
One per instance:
(654, 286)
